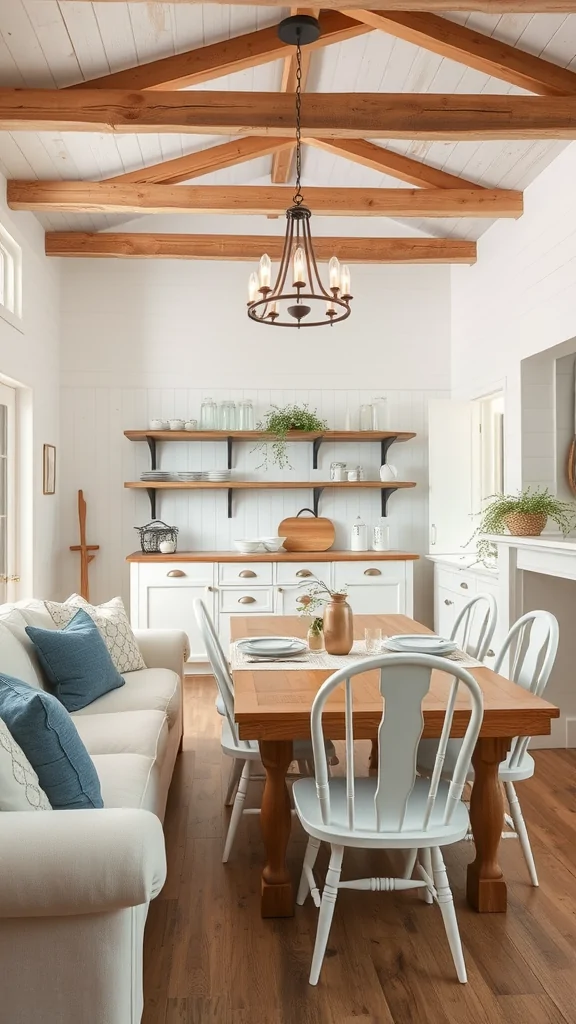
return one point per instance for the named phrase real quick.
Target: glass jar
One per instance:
(246, 415)
(227, 415)
(337, 470)
(208, 415)
(366, 417)
(379, 413)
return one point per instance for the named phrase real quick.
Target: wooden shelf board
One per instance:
(263, 485)
(257, 435)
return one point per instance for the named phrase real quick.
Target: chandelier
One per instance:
(298, 291)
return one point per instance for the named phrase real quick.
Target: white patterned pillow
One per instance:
(19, 786)
(112, 621)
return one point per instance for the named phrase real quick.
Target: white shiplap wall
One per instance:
(148, 338)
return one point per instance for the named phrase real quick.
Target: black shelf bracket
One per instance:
(152, 447)
(384, 446)
(317, 494)
(316, 451)
(229, 441)
(385, 495)
(152, 497)
(230, 492)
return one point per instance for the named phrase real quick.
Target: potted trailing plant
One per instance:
(524, 515)
(278, 422)
(337, 622)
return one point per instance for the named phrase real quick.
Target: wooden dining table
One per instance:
(273, 706)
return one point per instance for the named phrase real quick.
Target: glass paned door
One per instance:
(8, 570)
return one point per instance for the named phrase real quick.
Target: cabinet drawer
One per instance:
(176, 573)
(241, 573)
(299, 572)
(460, 581)
(367, 573)
(244, 600)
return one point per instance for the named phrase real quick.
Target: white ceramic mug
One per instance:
(191, 425)
(167, 547)
(158, 424)
(176, 424)
(388, 472)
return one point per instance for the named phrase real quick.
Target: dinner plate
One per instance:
(420, 644)
(272, 646)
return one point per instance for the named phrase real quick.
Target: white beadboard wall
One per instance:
(137, 342)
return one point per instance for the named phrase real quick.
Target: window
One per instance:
(10, 274)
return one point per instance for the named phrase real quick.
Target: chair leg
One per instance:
(446, 904)
(326, 912)
(303, 767)
(236, 811)
(233, 780)
(307, 869)
(426, 861)
(520, 826)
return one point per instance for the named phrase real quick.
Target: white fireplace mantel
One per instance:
(550, 555)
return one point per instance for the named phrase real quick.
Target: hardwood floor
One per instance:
(209, 957)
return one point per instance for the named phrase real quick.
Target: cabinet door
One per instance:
(447, 606)
(165, 606)
(287, 598)
(450, 501)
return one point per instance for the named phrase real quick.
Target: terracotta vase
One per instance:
(338, 625)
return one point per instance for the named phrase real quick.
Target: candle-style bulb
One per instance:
(330, 309)
(334, 271)
(345, 280)
(252, 287)
(273, 310)
(265, 271)
(299, 266)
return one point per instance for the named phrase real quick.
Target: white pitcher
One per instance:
(388, 473)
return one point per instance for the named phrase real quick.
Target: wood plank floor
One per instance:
(209, 957)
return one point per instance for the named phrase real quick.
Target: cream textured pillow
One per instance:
(19, 786)
(112, 621)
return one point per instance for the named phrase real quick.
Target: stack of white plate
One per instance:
(157, 476)
(420, 643)
(272, 648)
(191, 476)
(217, 474)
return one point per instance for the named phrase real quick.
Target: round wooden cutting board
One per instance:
(310, 533)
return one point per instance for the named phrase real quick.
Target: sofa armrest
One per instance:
(61, 863)
(163, 648)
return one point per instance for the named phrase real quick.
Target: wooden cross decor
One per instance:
(84, 549)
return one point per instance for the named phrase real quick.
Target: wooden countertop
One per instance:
(277, 556)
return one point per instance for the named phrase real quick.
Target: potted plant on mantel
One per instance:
(278, 422)
(337, 623)
(523, 515)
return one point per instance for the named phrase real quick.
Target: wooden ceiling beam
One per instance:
(215, 158)
(249, 248)
(474, 6)
(324, 115)
(205, 63)
(102, 197)
(395, 164)
(448, 39)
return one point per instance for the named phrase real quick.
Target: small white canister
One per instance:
(381, 535)
(359, 535)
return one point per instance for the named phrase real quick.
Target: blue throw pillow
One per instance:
(43, 728)
(76, 661)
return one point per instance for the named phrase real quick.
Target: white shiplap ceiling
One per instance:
(51, 44)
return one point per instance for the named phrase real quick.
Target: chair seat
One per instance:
(524, 770)
(250, 751)
(365, 834)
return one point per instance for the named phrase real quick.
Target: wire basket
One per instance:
(152, 535)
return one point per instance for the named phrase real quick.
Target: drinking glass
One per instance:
(373, 638)
(208, 415)
(366, 416)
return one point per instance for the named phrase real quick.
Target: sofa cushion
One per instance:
(18, 656)
(76, 661)
(43, 728)
(151, 689)
(128, 780)
(128, 732)
(113, 623)
(19, 786)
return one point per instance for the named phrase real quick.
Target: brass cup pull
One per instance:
(304, 572)
(490, 653)
(246, 600)
(464, 586)
(372, 572)
(448, 601)
(247, 574)
(176, 572)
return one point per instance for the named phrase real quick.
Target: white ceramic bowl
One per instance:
(273, 543)
(247, 547)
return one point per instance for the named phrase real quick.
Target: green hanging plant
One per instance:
(279, 422)
(508, 512)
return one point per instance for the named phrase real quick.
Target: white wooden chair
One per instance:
(245, 754)
(396, 810)
(531, 644)
(474, 626)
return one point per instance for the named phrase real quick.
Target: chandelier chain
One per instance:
(298, 197)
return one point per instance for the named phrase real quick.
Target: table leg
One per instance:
(276, 821)
(486, 888)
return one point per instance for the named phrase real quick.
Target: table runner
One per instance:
(322, 660)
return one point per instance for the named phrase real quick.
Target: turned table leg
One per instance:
(276, 821)
(486, 888)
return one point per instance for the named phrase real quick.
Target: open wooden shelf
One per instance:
(317, 487)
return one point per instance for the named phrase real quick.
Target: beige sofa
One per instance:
(75, 885)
